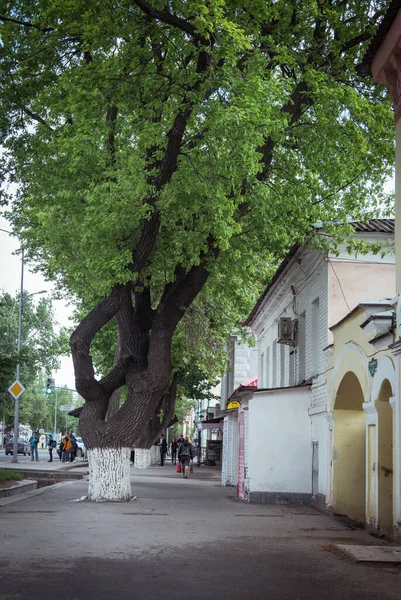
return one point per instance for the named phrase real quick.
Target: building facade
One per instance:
(285, 454)
(314, 291)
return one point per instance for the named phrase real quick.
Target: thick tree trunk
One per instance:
(109, 474)
(143, 458)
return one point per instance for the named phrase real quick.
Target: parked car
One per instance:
(81, 447)
(23, 447)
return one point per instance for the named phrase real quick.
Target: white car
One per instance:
(81, 450)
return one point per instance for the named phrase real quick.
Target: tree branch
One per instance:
(167, 17)
(36, 117)
(26, 24)
(81, 339)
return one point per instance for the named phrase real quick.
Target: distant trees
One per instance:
(40, 349)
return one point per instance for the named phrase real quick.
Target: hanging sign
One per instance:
(233, 404)
(372, 366)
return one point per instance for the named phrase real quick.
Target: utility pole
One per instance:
(55, 414)
(16, 409)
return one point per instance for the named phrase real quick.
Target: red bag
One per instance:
(178, 468)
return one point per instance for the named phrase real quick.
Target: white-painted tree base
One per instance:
(109, 474)
(143, 458)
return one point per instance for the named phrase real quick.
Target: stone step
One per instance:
(58, 475)
(18, 487)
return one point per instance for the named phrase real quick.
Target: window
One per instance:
(315, 468)
(274, 365)
(282, 364)
(291, 367)
(315, 338)
(302, 347)
(267, 373)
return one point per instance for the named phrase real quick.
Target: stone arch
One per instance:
(385, 461)
(385, 371)
(350, 354)
(349, 446)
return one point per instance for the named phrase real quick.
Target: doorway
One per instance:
(385, 460)
(349, 452)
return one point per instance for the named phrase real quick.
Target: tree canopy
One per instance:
(168, 153)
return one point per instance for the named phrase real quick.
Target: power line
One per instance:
(339, 283)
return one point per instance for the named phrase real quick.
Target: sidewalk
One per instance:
(42, 465)
(181, 537)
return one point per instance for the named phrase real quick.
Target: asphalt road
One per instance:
(181, 538)
(42, 453)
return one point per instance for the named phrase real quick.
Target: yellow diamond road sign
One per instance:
(16, 389)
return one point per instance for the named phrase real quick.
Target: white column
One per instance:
(372, 470)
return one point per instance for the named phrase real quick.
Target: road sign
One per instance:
(66, 407)
(16, 389)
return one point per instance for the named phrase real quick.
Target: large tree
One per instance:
(166, 153)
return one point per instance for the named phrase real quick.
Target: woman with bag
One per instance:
(185, 455)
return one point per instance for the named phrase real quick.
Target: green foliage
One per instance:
(9, 476)
(182, 406)
(37, 408)
(280, 133)
(40, 345)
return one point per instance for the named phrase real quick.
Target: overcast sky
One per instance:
(10, 277)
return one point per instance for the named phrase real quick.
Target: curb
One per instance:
(17, 488)
(44, 474)
(31, 494)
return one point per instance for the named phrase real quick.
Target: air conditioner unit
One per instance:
(287, 331)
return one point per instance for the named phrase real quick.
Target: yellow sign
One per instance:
(16, 389)
(233, 404)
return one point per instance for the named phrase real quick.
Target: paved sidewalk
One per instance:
(180, 538)
(43, 465)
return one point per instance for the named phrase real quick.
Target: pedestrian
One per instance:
(174, 447)
(33, 442)
(73, 453)
(66, 448)
(185, 456)
(60, 449)
(163, 448)
(50, 445)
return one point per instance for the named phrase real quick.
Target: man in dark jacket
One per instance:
(163, 449)
(185, 455)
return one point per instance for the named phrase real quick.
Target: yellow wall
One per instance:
(349, 463)
(385, 460)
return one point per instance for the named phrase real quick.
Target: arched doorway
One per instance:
(385, 459)
(349, 453)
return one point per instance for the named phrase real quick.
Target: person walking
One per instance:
(60, 449)
(174, 446)
(163, 449)
(185, 456)
(50, 445)
(33, 442)
(73, 453)
(66, 448)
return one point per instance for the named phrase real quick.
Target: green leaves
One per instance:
(279, 133)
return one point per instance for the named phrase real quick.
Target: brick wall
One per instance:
(230, 450)
(304, 281)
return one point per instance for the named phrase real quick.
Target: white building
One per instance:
(285, 451)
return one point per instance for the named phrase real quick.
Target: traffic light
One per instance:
(50, 386)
